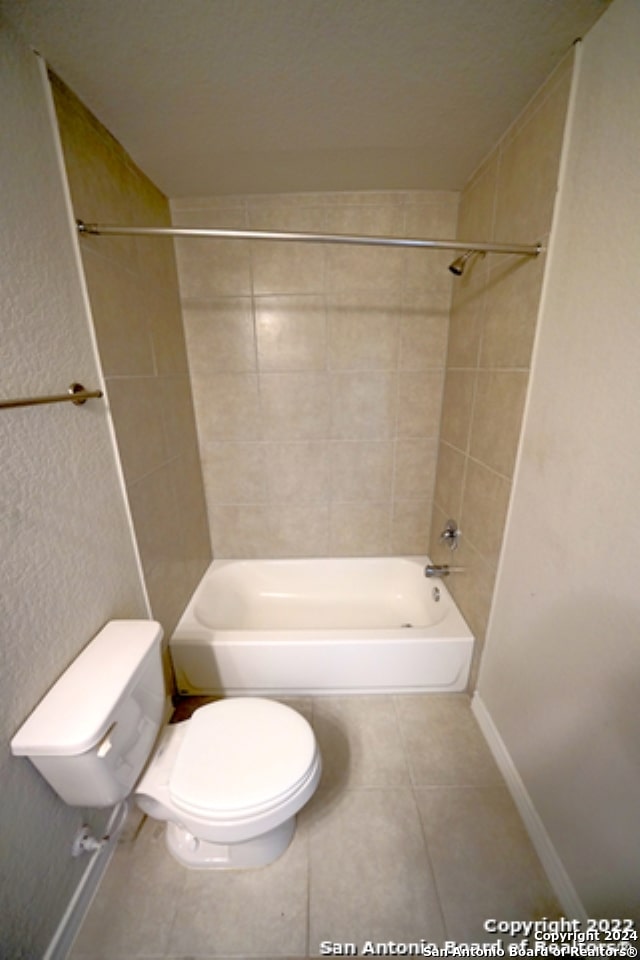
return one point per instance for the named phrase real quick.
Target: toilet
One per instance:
(228, 782)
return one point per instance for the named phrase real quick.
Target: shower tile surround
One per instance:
(135, 307)
(491, 334)
(411, 835)
(317, 371)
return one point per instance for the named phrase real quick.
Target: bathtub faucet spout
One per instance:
(440, 570)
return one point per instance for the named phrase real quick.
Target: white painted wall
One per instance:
(67, 560)
(560, 678)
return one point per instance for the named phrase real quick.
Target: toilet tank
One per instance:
(93, 732)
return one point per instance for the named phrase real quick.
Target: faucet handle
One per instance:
(451, 534)
(440, 570)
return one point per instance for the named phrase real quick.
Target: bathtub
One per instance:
(320, 626)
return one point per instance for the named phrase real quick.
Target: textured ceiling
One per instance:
(238, 96)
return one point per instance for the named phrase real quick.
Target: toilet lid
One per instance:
(241, 756)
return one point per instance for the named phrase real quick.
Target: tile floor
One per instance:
(411, 835)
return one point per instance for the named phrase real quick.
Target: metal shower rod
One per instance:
(100, 229)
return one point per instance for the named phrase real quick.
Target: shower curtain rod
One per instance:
(100, 229)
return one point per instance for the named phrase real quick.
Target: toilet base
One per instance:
(205, 855)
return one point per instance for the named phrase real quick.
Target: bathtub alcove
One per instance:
(320, 626)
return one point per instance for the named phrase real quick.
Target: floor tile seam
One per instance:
(383, 787)
(403, 741)
(434, 876)
(498, 787)
(408, 790)
(307, 842)
(177, 900)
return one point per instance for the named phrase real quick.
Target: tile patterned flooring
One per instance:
(411, 835)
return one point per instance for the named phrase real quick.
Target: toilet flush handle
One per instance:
(106, 743)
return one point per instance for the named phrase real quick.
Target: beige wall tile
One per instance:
(363, 405)
(98, 174)
(156, 520)
(330, 398)
(467, 315)
(478, 201)
(298, 531)
(493, 318)
(240, 531)
(362, 331)
(419, 403)
(361, 470)
(359, 267)
(297, 473)
(410, 527)
(115, 302)
(235, 472)
(295, 406)
(213, 268)
(432, 219)
(450, 480)
(132, 285)
(497, 418)
(141, 438)
(184, 207)
(291, 333)
(360, 529)
(155, 257)
(194, 545)
(227, 407)
(513, 297)
(363, 268)
(424, 322)
(457, 407)
(177, 415)
(486, 499)
(287, 267)
(220, 335)
(167, 331)
(415, 469)
(529, 170)
(270, 530)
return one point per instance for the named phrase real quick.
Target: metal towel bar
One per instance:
(76, 394)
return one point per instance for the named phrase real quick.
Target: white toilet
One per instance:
(229, 781)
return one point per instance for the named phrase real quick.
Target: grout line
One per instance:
(412, 786)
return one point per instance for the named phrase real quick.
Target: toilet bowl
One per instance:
(228, 782)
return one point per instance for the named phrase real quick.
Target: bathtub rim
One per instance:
(451, 637)
(451, 623)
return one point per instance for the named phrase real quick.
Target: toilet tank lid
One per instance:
(76, 712)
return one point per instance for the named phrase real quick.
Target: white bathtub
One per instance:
(320, 626)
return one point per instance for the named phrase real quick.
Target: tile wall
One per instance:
(317, 371)
(135, 307)
(493, 323)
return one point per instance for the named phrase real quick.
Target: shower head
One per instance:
(459, 264)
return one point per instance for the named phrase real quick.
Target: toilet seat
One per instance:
(240, 758)
(213, 821)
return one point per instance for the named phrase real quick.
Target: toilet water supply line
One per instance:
(85, 842)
